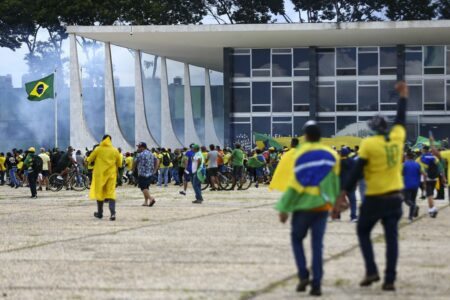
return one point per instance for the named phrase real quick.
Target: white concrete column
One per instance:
(190, 134)
(168, 136)
(141, 128)
(80, 136)
(210, 130)
(112, 126)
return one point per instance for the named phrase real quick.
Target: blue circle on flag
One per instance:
(313, 166)
(40, 88)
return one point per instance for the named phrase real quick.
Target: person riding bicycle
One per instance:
(65, 163)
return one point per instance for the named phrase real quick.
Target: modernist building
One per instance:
(276, 77)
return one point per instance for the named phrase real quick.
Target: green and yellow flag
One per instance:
(40, 89)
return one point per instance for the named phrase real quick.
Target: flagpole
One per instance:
(56, 109)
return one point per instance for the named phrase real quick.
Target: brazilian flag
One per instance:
(40, 89)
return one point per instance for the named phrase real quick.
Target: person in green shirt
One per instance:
(237, 162)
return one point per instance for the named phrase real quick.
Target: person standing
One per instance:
(381, 161)
(411, 175)
(188, 174)
(213, 168)
(46, 169)
(11, 165)
(104, 177)
(2, 168)
(146, 164)
(237, 161)
(310, 195)
(430, 164)
(164, 167)
(197, 166)
(33, 166)
(347, 165)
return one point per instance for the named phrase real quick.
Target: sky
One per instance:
(12, 62)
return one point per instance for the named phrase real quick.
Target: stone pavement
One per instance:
(230, 247)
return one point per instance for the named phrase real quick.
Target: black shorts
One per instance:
(237, 171)
(45, 173)
(187, 177)
(430, 187)
(144, 182)
(212, 172)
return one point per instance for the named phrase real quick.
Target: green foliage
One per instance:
(406, 10)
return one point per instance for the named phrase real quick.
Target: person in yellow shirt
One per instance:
(226, 157)
(444, 155)
(129, 167)
(2, 168)
(165, 165)
(380, 160)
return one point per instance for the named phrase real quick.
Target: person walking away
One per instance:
(257, 162)
(11, 165)
(2, 168)
(46, 169)
(430, 163)
(213, 168)
(197, 166)
(188, 174)
(412, 172)
(444, 155)
(165, 165)
(347, 165)
(309, 196)
(237, 161)
(33, 164)
(176, 164)
(381, 161)
(146, 165)
(104, 176)
(129, 167)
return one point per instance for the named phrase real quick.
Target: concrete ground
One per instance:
(230, 247)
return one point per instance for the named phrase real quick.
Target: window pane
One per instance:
(368, 98)
(282, 129)
(282, 65)
(261, 108)
(346, 57)
(346, 91)
(241, 65)
(342, 122)
(448, 61)
(387, 91)
(434, 56)
(301, 58)
(388, 57)
(326, 98)
(282, 99)
(240, 133)
(327, 129)
(261, 58)
(434, 90)
(413, 63)
(240, 101)
(298, 125)
(301, 92)
(326, 64)
(261, 92)
(368, 64)
(261, 125)
(415, 98)
(448, 97)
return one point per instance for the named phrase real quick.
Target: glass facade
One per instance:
(352, 85)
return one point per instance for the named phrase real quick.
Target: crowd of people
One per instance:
(315, 179)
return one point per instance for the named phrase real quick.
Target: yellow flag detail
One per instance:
(39, 89)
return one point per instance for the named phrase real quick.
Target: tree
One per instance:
(406, 10)
(443, 9)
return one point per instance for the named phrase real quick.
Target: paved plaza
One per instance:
(230, 247)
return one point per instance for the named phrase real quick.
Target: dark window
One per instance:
(387, 91)
(261, 58)
(327, 129)
(368, 64)
(388, 57)
(301, 92)
(434, 90)
(413, 63)
(368, 98)
(282, 119)
(448, 97)
(240, 100)
(282, 65)
(346, 91)
(261, 73)
(434, 70)
(434, 56)
(415, 98)
(346, 58)
(282, 129)
(241, 133)
(346, 107)
(241, 65)
(342, 122)
(301, 72)
(346, 72)
(303, 107)
(261, 125)
(301, 58)
(298, 125)
(388, 107)
(282, 99)
(261, 93)
(439, 107)
(326, 64)
(326, 98)
(261, 108)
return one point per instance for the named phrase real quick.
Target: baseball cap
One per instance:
(142, 145)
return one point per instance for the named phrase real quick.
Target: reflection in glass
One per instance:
(282, 99)
(261, 93)
(92, 71)
(415, 98)
(282, 65)
(368, 64)
(346, 58)
(151, 80)
(434, 90)
(388, 57)
(299, 122)
(413, 63)
(124, 83)
(387, 91)
(261, 59)
(301, 58)
(282, 129)
(326, 64)
(368, 98)
(261, 125)
(434, 56)
(240, 66)
(216, 79)
(327, 129)
(301, 92)
(342, 122)
(240, 100)
(346, 91)
(326, 98)
(198, 99)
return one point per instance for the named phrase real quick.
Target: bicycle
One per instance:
(73, 181)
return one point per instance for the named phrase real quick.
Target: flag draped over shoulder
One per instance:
(284, 172)
(313, 179)
(40, 89)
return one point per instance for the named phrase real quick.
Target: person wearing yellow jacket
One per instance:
(107, 161)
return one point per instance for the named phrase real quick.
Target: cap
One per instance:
(272, 148)
(142, 145)
(195, 146)
(31, 149)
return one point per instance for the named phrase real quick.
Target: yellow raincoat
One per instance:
(104, 177)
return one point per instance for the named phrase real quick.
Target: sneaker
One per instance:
(388, 287)
(197, 201)
(315, 291)
(369, 279)
(183, 193)
(354, 220)
(434, 214)
(416, 212)
(33, 197)
(17, 186)
(59, 178)
(301, 287)
(98, 216)
(113, 217)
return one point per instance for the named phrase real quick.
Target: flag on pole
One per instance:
(40, 89)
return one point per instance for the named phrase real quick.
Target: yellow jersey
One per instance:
(2, 163)
(129, 163)
(383, 170)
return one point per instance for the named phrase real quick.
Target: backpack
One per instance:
(166, 159)
(37, 163)
(433, 170)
